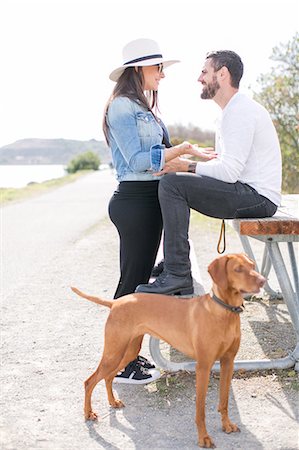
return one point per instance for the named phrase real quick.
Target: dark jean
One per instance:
(135, 211)
(180, 192)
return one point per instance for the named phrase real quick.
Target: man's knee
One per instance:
(169, 178)
(167, 182)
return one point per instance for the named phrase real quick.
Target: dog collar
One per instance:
(235, 309)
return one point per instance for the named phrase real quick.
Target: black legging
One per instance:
(135, 211)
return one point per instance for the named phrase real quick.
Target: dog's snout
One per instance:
(261, 281)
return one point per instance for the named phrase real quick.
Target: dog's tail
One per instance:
(97, 300)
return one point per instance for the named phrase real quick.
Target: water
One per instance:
(18, 176)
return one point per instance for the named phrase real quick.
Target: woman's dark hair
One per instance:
(130, 84)
(231, 61)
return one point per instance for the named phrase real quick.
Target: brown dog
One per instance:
(205, 328)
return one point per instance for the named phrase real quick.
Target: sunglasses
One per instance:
(160, 67)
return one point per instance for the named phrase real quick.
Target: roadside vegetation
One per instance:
(77, 167)
(84, 161)
(279, 93)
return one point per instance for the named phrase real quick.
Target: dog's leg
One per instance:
(110, 364)
(112, 361)
(89, 385)
(226, 373)
(202, 382)
(133, 349)
(107, 370)
(113, 402)
(131, 354)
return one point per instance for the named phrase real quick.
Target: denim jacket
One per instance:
(135, 140)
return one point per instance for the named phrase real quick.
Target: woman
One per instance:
(140, 146)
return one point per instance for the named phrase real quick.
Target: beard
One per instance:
(210, 90)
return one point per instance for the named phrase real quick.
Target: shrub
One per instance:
(85, 161)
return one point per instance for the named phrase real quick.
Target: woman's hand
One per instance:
(184, 148)
(178, 150)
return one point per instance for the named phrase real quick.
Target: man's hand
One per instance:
(180, 164)
(175, 165)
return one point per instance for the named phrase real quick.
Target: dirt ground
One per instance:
(52, 341)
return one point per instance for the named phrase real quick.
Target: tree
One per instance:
(85, 161)
(280, 96)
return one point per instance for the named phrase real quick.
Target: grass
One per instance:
(11, 195)
(208, 224)
(197, 219)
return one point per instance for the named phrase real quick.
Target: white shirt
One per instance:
(248, 148)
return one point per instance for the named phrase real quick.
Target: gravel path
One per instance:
(52, 341)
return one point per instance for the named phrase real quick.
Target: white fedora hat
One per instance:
(141, 52)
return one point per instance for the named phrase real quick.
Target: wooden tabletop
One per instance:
(284, 222)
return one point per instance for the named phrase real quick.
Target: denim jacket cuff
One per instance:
(157, 155)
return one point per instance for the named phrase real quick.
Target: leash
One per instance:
(235, 309)
(222, 233)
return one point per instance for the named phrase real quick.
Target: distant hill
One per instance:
(51, 151)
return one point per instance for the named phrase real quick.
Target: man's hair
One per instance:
(231, 61)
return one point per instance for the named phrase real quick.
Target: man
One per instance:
(243, 181)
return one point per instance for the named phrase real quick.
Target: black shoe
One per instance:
(158, 269)
(134, 373)
(169, 285)
(144, 362)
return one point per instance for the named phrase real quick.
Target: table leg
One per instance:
(290, 295)
(294, 268)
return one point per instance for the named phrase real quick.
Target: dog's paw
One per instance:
(206, 442)
(229, 427)
(117, 404)
(91, 416)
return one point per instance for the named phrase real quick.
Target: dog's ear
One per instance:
(217, 271)
(247, 257)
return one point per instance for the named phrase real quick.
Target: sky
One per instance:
(56, 56)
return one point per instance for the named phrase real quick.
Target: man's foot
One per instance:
(169, 285)
(135, 373)
(158, 269)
